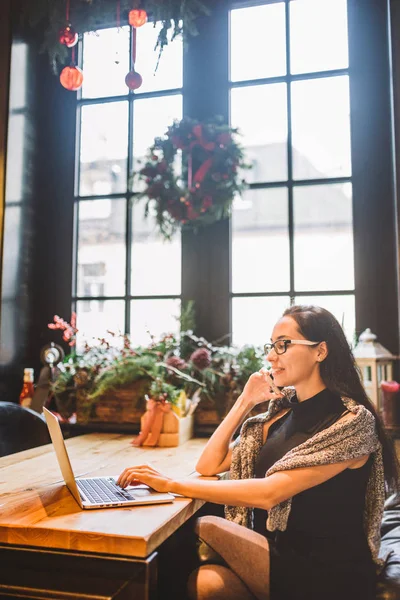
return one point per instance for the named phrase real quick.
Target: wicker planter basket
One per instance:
(120, 405)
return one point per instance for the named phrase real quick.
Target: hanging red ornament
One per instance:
(133, 80)
(68, 36)
(71, 78)
(137, 17)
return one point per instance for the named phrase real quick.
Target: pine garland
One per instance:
(177, 17)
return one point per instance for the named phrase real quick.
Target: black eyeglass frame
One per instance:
(268, 347)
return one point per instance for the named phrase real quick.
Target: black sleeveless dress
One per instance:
(323, 554)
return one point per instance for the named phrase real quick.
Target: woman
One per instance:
(309, 476)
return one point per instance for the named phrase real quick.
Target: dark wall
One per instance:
(206, 253)
(376, 272)
(38, 209)
(51, 273)
(16, 191)
(395, 53)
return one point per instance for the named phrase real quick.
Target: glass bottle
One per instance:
(28, 389)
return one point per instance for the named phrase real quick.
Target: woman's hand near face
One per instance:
(259, 388)
(144, 474)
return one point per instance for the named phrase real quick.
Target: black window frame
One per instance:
(206, 255)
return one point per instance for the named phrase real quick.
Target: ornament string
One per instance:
(133, 46)
(118, 15)
(67, 11)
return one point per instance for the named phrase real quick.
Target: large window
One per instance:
(291, 237)
(126, 278)
(292, 232)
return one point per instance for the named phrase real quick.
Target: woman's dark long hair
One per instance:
(341, 374)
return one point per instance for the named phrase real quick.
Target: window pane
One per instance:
(154, 318)
(253, 319)
(323, 240)
(169, 72)
(152, 117)
(342, 307)
(259, 234)
(156, 263)
(101, 248)
(258, 42)
(261, 116)
(318, 35)
(17, 171)
(321, 128)
(105, 62)
(104, 149)
(96, 317)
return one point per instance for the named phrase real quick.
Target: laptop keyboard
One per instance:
(101, 490)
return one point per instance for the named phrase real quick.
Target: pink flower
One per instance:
(176, 362)
(69, 329)
(201, 358)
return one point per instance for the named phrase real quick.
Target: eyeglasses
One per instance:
(280, 346)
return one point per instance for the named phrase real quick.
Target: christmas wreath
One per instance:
(212, 160)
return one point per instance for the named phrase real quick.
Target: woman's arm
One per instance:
(255, 493)
(217, 454)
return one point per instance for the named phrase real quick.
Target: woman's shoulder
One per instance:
(355, 410)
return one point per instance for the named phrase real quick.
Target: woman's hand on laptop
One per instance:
(147, 475)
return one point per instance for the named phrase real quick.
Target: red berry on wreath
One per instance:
(192, 214)
(207, 202)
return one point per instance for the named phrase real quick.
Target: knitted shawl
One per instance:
(344, 440)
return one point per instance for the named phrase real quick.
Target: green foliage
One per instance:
(166, 366)
(49, 16)
(162, 391)
(249, 360)
(187, 318)
(122, 372)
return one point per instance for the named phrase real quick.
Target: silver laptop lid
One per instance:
(61, 453)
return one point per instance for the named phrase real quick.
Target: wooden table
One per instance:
(50, 548)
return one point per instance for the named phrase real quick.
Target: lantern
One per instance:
(68, 36)
(137, 17)
(71, 78)
(133, 80)
(375, 363)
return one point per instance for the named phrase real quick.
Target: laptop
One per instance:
(97, 492)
